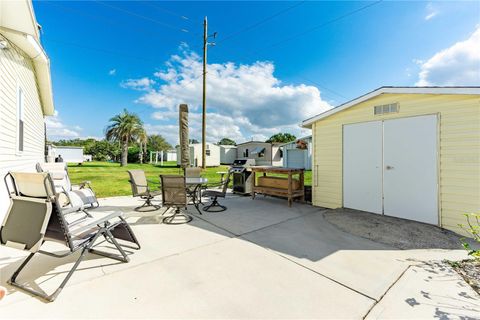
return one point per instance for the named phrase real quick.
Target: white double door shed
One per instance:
(390, 167)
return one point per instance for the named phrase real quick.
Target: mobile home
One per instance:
(212, 155)
(264, 153)
(26, 92)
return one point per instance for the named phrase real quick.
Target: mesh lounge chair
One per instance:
(174, 195)
(214, 206)
(81, 194)
(37, 215)
(140, 188)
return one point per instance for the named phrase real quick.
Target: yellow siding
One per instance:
(459, 172)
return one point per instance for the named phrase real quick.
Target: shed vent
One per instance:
(386, 108)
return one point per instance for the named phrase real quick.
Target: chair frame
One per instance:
(147, 195)
(214, 198)
(104, 228)
(178, 211)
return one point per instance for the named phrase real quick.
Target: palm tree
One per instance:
(124, 128)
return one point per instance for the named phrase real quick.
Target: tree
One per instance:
(158, 143)
(227, 142)
(124, 128)
(281, 137)
(193, 141)
(103, 150)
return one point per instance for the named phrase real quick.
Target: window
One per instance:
(207, 152)
(20, 117)
(245, 154)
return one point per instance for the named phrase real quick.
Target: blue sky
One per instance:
(275, 63)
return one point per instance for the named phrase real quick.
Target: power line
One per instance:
(259, 23)
(142, 16)
(302, 33)
(116, 53)
(170, 12)
(102, 19)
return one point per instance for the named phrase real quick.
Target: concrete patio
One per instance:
(258, 259)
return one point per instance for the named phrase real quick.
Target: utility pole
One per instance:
(204, 98)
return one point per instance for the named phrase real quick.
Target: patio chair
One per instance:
(220, 192)
(81, 194)
(140, 188)
(174, 195)
(36, 215)
(194, 172)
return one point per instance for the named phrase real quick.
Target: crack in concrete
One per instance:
(386, 291)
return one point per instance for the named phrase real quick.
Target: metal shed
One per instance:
(298, 153)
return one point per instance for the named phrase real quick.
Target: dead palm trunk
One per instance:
(124, 153)
(140, 155)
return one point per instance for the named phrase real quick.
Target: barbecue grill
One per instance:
(242, 180)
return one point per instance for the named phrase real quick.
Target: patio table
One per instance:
(196, 183)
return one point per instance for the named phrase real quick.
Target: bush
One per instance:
(473, 229)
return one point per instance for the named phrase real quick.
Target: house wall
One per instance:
(459, 151)
(266, 160)
(170, 156)
(213, 160)
(228, 154)
(16, 70)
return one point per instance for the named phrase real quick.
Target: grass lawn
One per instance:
(110, 179)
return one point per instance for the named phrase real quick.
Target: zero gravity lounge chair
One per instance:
(37, 215)
(81, 194)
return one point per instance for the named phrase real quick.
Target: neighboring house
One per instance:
(69, 153)
(298, 153)
(212, 155)
(408, 152)
(264, 153)
(228, 154)
(25, 92)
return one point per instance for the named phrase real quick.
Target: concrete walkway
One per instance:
(258, 259)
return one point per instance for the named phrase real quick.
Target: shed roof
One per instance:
(19, 26)
(295, 141)
(391, 90)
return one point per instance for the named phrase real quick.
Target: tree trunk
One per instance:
(124, 153)
(140, 155)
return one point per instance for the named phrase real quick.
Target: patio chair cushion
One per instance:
(213, 193)
(138, 181)
(26, 222)
(193, 172)
(32, 184)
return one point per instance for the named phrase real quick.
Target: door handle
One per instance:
(389, 167)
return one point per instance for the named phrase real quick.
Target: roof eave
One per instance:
(391, 90)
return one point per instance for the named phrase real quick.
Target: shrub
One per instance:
(473, 229)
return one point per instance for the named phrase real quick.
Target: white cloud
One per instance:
(143, 84)
(112, 72)
(243, 101)
(431, 11)
(57, 130)
(453, 66)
